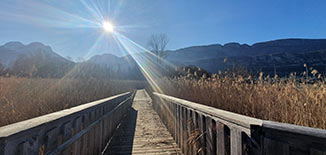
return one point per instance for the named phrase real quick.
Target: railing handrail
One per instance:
(245, 121)
(220, 132)
(83, 129)
(235, 118)
(14, 128)
(291, 128)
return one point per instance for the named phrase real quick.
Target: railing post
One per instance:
(97, 132)
(29, 146)
(175, 111)
(220, 138)
(236, 141)
(66, 133)
(2, 145)
(180, 127)
(202, 133)
(177, 135)
(195, 127)
(84, 138)
(210, 136)
(190, 129)
(77, 126)
(185, 131)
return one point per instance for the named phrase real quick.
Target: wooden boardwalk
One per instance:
(142, 132)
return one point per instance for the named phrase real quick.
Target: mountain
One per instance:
(33, 59)
(12, 51)
(123, 64)
(124, 67)
(278, 56)
(39, 60)
(284, 56)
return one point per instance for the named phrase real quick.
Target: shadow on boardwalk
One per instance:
(122, 141)
(142, 131)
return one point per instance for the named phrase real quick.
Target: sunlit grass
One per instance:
(289, 100)
(22, 98)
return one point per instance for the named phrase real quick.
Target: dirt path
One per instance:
(142, 131)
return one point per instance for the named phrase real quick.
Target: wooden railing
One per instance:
(84, 129)
(205, 130)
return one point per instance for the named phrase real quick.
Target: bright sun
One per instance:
(107, 26)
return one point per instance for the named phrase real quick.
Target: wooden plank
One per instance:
(210, 136)
(175, 109)
(202, 133)
(220, 139)
(313, 132)
(184, 132)
(91, 135)
(97, 133)
(195, 129)
(178, 126)
(29, 146)
(272, 147)
(182, 144)
(236, 142)
(66, 133)
(77, 126)
(142, 132)
(190, 129)
(84, 138)
(51, 139)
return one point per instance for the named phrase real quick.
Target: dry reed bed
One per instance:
(282, 100)
(22, 98)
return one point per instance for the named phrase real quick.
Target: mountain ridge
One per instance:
(262, 56)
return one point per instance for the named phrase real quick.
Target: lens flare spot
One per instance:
(107, 26)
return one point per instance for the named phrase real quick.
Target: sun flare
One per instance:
(107, 26)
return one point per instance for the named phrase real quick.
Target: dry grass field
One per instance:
(278, 99)
(284, 100)
(23, 98)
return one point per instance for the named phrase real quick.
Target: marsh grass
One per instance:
(23, 98)
(294, 100)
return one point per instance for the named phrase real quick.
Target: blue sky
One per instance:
(70, 28)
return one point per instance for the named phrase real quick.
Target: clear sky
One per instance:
(71, 27)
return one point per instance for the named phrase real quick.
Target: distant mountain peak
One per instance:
(12, 51)
(108, 55)
(36, 44)
(232, 44)
(13, 45)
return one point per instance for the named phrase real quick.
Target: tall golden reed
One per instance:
(23, 98)
(290, 100)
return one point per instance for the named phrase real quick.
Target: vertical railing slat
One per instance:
(210, 136)
(190, 129)
(236, 141)
(77, 126)
(220, 138)
(202, 133)
(181, 128)
(195, 131)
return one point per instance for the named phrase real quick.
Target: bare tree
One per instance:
(157, 45)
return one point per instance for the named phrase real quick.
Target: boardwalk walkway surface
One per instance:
(142, 132)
